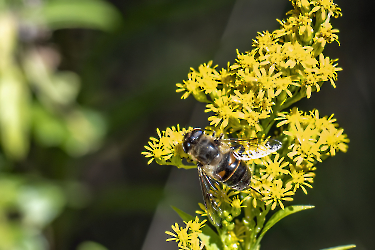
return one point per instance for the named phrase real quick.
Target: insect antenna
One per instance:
(256, 191)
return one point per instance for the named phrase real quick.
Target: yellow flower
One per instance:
(236, 205)
(288, 27)
(224, 110)
(334, 139)
(327, 70)
(247, 78)
(322, 123)
(310, 81)
(327, 33)
(253, 117)
(175, 135)
(195, 242)
(304, 5)
(305, 31)
(205, 79)
(278, 193)
(283, 84)
(274, 169)
(246, 60)
(154, 148)
(227, 77)
(181, 236)
(189, 86)
(264, 103)
(324, 6)
(292, 117)
(203, 211)
(195, 225)
(267, 80)
(264, 41)
(305, 146)
(164, 148)
(188, 237)
(275, 56)
(301, 179)
(295, 54)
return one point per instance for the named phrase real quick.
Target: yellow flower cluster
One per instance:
(285, 66)
(307, 140)
(248, 99)
(167, 149)
(187, 237)
(312, 137)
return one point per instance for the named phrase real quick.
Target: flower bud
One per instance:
(306, 33)
(200, 96)
(318, 46)
(304, 6)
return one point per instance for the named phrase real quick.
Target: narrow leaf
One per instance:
(81, 14)
(208, 236)
(280, 215)
(341, 247)
(14, 113)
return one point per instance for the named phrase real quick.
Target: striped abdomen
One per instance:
(233, 172)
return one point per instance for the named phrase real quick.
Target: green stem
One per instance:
(261, 218)
(264, 213)
(249, 223)
(267, 123)
(296, 97)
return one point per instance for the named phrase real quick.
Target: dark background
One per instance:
(130, 76)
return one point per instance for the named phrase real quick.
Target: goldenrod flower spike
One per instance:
(247, 100)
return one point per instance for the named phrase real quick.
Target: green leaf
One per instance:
(90, 245)
(40, 203)
(208, 236)
(206, 240)
(81, 14)
(280, 215)
(341, 247)
(48, 129)
(14, 113)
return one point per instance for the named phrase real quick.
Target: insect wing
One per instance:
(248, 149)
(208, 188)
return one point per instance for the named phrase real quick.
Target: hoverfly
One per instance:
(220, 160)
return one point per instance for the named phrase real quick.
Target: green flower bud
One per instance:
(318, 46)
(304, 6)
(306, 33)
(200, 96)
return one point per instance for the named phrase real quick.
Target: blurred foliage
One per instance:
(26, 207)
(89, 245)
(37, 100)
(36, 97)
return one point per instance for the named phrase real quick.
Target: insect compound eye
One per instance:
(186, 146)
(195, 134)
(191, 138)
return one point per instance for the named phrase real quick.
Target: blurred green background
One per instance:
(85, 83)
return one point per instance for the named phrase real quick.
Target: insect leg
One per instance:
(256, 191)
(208, 187)
(238, 148)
